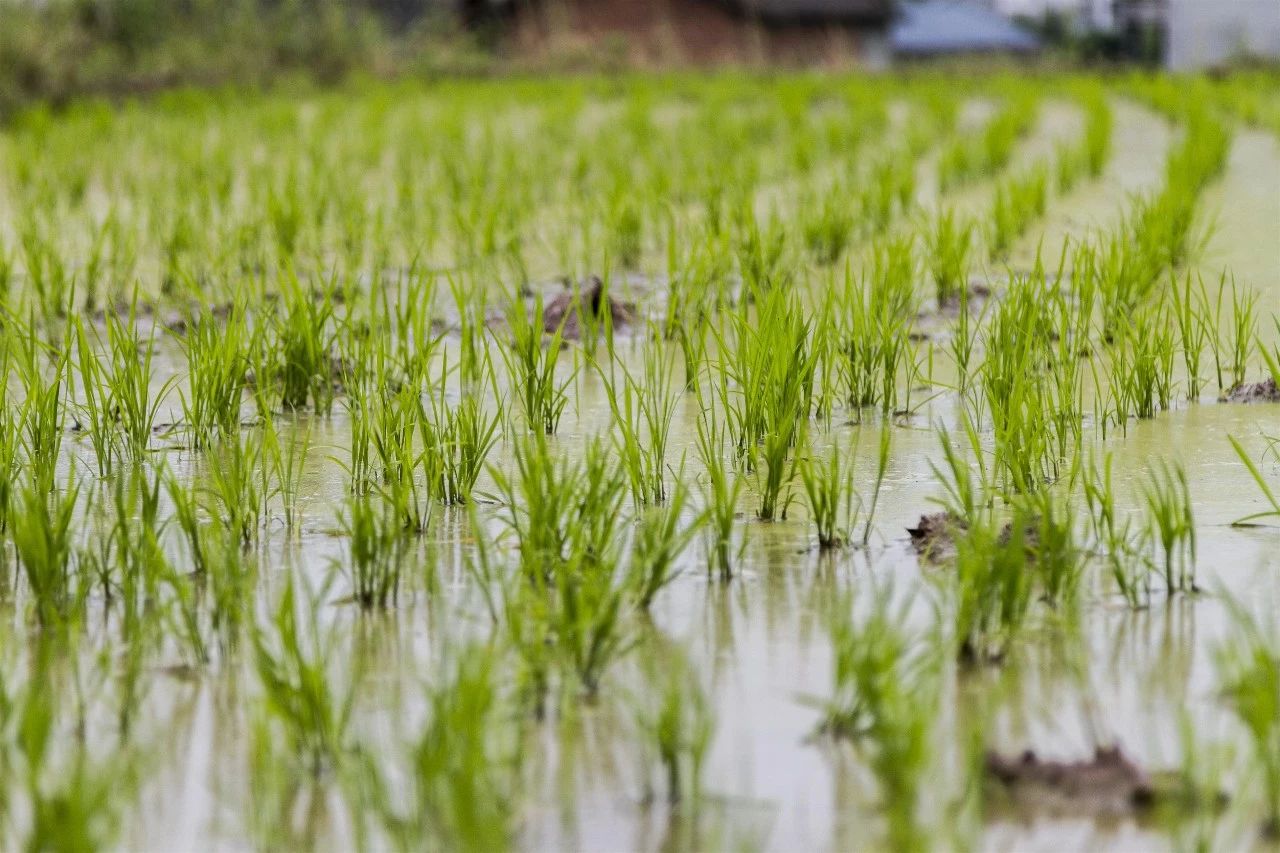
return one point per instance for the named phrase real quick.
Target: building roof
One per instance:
(935, 27)
(801, 11)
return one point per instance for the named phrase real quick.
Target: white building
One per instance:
(1208, 33)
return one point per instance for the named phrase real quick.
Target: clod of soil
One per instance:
(1108, 785)
(934, 536)
(563, 310)
(1265, 391)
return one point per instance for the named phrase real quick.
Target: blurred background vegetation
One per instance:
(53, 50)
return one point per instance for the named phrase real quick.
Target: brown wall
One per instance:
(665, 32)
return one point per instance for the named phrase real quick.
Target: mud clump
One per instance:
(1108, 785)
(562, 312)
(934, 536)
(1265, 391)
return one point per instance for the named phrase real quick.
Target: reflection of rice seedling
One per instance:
(676, 722)
(885, 682)
(658, 541)
(1249, 680)
(292, 661)
(463, 776)
(377, 551)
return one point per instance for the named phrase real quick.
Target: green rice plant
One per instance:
(300, 346)
(1241, 335)
(1248, 664)
(1114, 537)
(677, 725)
(721, 488)
(44, 405)
(286, 461)
(1056, 559)
(463, 778)
(457, 439)
(1274, 510)
(292, 664)
(994, 586)
(873, 324)
(130, 397)
(828, 223)
(832, 498)
(1019, 200)
(1032, 392)
(1189, 312)
(657, 544)
(643, 410)
(373, 532)
(42, 536)
(884, 683)
(1142, 366)
(1167, 495)
(218, 358)
(1097, 133)
(948, 243)
(240, 485)
(95, 411)
(532, 366)
(1271, 356)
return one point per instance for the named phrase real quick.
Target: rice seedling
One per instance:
(457, 440)
(831, 496)
(217, 363)
(541, 396)
(1273, 511)
(950, 239)
(240, 486)
(300, 347)
(1241, 335)
(1114, 536)
(873, 322)
(643, 410)
(721, 488)
(1248, 664)
(1193, 331)
(1172, 526)
(43, 536)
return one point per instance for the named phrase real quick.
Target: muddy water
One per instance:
(1119, 675)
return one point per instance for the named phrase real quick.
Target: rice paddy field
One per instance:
(671, 462)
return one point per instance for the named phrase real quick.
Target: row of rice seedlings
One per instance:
(969, 158)
(1019, 200)
(1032, 384)
(1248, 664)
